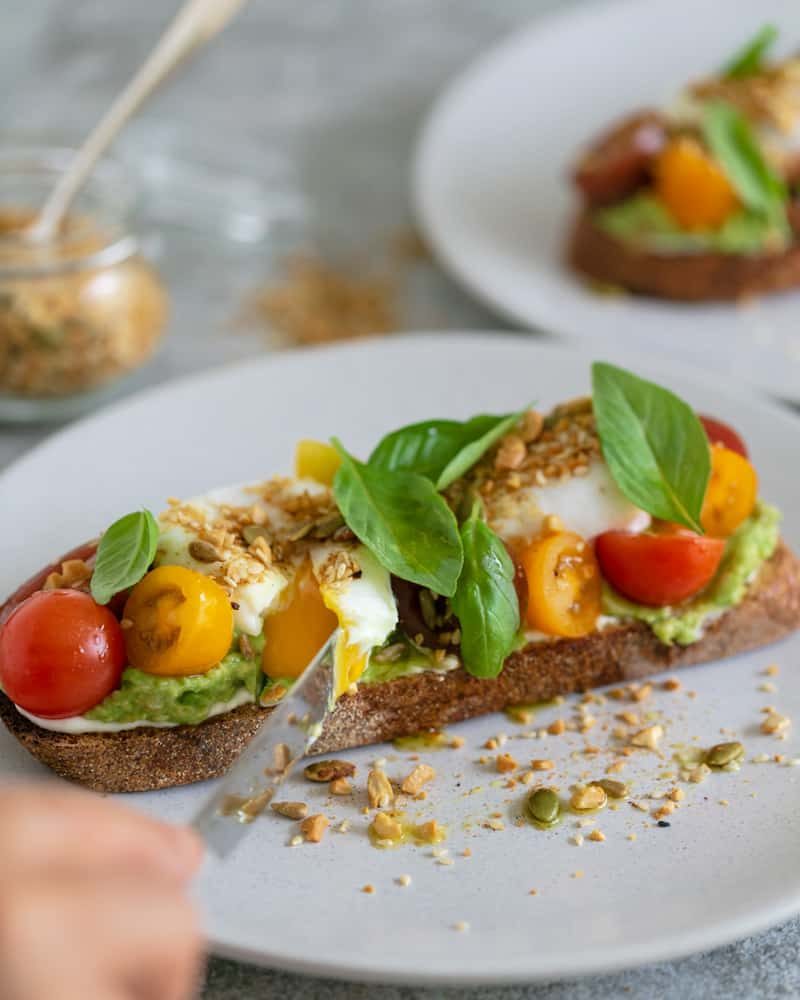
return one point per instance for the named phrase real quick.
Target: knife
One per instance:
(285, 737)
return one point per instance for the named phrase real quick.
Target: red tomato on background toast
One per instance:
(719, 432)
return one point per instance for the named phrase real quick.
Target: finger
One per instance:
(119, 937)
(72, 829)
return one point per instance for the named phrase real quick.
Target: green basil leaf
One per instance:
(485, 601)
(124, 555)
(479, 438)
(441, 450)
(731, 141)
(401, 518)
(750, 58)
(654, 445)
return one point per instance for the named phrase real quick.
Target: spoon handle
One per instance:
(196, 23)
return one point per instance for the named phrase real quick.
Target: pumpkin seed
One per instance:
(543, 807)
(616, 789)
(204, 551)
(724, 753)
(329, 770)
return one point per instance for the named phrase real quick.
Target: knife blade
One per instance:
(285, 737)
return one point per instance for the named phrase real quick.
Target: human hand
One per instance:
(93, 900)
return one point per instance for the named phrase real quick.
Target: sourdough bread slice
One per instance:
(150, 758)
(691, 277)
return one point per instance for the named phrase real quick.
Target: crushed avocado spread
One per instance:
(645, 222)
(189, 700)
(752, 544)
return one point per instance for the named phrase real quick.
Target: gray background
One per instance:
(318, 101)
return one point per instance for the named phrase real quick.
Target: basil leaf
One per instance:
(731, 141)
(654, 445)
(441, 450)
(750, 58)
(479, 439)
(485, 601)
(124, 555)
(401, 518)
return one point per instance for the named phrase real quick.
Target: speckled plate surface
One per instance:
(718, 872)
(493, 161)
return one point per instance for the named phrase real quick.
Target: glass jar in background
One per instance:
(80, 312)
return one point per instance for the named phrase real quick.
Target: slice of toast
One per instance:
(691, 277)
(151, 758)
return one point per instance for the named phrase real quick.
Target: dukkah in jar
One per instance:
(76, 312)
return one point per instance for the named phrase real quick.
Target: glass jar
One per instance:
(81, 311)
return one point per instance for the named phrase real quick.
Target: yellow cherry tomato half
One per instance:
(316, 460)
(298, 629)
(731, 494)
(563, 583)
(694, 188)
(181, 622)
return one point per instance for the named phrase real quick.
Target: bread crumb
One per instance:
(404, 880)
(772, 670)
(296, 840)
(456, 742)
(539, 764)
(577, 874)
(490, 744)
(577, 840)
(368, 889)
(557, 727)
(631, 836)
(462, 926)
(649, 737)
(671, 684)
(775, 723)
(466, 853)
(598, 836)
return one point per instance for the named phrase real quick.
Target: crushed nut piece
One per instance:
(324, 771)
(663, 811)
(649, 738)
(379, 790)
(340, 786)
(511, 452)
(404, 880)
(421, 775)
(292, 810)
(505, 763)
(557, 727)
(368, 889)
(313, 828)
(671, 684)
(586, 797)
(698, 774)
(639, 694)
(386, 827)
(775, 723)
(297, 840)
(677, 794)
(597, 835)
(540, 764)
(430, 832)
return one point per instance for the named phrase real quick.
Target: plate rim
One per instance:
(664, 949)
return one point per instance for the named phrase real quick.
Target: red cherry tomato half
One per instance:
(720, 433)
(658, 570)
(61, 653)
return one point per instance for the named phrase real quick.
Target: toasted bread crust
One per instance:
(149, 758)
(691, 277)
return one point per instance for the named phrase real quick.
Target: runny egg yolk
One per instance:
(298, 629)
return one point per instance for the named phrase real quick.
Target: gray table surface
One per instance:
(320, 100)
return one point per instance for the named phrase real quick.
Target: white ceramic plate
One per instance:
(491, 184)
(716, 874)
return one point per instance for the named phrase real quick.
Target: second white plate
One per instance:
(492, 190)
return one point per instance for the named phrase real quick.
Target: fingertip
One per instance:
(188, 848)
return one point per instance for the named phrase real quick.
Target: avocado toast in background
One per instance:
(698, 201)
(469, 566)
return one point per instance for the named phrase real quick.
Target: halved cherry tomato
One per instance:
(722, 433)
(179, 622)
(298, 629)
(731, 494)
(692, 185)
(661, 569)
(61, 653)
(563, 584)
